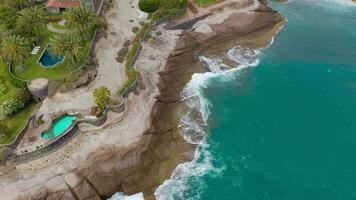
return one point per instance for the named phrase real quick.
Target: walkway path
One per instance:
(56, 30)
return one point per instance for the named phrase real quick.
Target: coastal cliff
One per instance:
(163, 146)
(143, 166)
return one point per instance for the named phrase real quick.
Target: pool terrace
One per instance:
(33, 69)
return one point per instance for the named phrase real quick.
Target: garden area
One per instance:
(30, 50)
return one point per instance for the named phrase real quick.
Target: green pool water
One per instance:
(60, 126)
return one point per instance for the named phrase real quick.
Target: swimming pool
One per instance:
(49, 60)
(59, 127)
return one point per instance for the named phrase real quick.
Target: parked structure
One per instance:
(38, 88)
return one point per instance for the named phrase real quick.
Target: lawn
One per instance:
(16, 123)
(204, 3)
(3, 27)
(5, 81)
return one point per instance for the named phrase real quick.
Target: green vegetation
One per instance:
(68, 44)
(148, 5)
(25, 23)
(151, 6)
(82, 19)
(166, 7)
(3, 27)
(102, 99)
(204, 3)
(16, 123)
(14, 49)
(58, 26)
(121, 54)
(29, 20)
(12, 106)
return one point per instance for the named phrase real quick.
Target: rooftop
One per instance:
(63, 4)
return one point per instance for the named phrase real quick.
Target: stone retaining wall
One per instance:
(58, 143)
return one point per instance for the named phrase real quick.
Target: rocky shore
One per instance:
(156, 146)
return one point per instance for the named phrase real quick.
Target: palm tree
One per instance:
(68, 44)
(81, 18)
(18, 4)
(30, 19)
(14, 49)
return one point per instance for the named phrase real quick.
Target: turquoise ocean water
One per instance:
(285, 127)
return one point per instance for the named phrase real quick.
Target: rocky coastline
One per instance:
(148, 162)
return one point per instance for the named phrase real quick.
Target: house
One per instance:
(59, 6)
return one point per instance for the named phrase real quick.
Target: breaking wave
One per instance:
(194, 123)
(122, 196)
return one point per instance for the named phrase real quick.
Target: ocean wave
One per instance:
(177, 187)
(122, 196)
(194, 128)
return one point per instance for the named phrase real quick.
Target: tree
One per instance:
(12, 106)
(7, 17)
(81, 18)
(69, 45)
(102, 98)
(148, 5)
(18, 4)
(30, 19)
(174, 4)
(14, 48)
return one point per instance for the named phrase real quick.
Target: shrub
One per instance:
(148, 6)
(135, 29)
(127, 43)
(122, 54)
(102, 98)
(24, 96)
(40, 121)
(12, 106)
(3, 88)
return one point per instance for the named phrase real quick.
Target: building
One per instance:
(38, 88)
(58, 6)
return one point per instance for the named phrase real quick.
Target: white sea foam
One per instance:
(194, 131)
(176, 187)
(122, 196)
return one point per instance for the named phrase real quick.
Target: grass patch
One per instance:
(205, 3)
(3, 27)
(7, 81)
(16, 123)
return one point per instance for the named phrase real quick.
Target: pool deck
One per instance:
(32, 139)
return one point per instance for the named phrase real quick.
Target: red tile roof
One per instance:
(63, 4)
